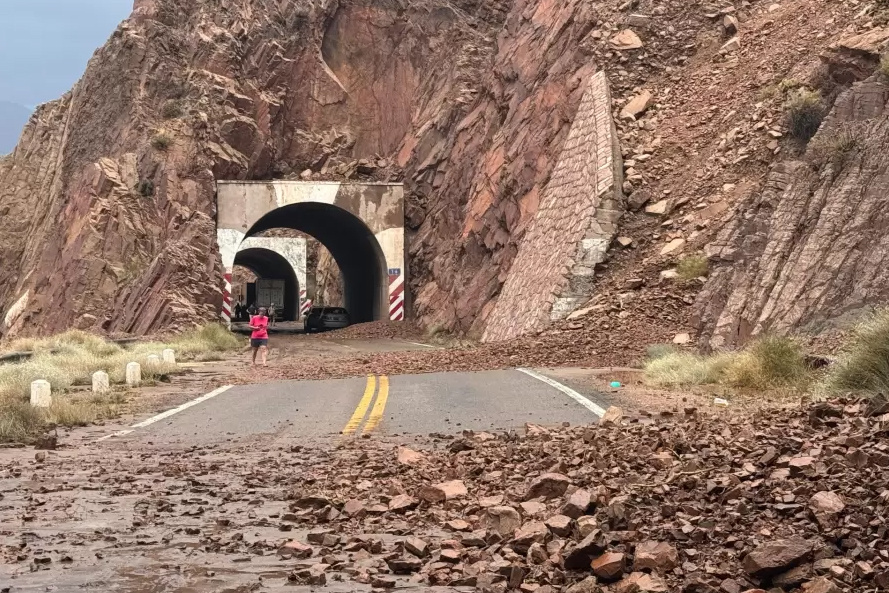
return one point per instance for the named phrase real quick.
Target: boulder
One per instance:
(443, 491)
(770, 559)
(655, 556)
(609, 566)
(578, 504)
(636, 106)
(826, 507)
(549, 485)
(504, 520)
(626, 40)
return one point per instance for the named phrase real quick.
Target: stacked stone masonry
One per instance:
(577, 220)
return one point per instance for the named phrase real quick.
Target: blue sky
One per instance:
(45, 44)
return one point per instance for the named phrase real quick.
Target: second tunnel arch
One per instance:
(266, 263)
(361, 224)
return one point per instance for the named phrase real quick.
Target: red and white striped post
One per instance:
(305, 302)
(227, 299)
(396, 295)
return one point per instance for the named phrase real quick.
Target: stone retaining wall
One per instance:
(553, 271)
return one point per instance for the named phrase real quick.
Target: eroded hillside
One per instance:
(107, 204)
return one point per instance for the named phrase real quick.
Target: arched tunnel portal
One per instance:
(265, 263)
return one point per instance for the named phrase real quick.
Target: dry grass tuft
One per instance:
(692, 267)
(805, 112)
(864, 364)
(769, 363)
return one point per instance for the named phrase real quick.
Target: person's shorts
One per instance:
(257, 342)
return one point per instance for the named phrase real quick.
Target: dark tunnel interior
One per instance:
(352, 245)
(268, 264)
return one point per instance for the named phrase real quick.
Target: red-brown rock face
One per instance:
(107, 202)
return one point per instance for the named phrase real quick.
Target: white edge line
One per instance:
(166, 414)
(424, 345)
(184, 406)
(595, 409)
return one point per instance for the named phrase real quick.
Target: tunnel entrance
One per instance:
(268, 265)
(353, 247)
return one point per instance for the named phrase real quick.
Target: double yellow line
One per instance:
(379, 406)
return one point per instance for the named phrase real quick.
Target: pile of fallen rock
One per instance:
(775, 501)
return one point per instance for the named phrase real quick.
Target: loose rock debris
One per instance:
(775, 501)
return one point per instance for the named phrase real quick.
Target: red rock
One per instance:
(296, 549)
(560, 525)
(577, 504)
(656, 556)
(443, 492)
(613, 416)
(408, 456)
(417, 547)
(504, 520)
(776, 557)
(821, 585)
(548, 486)
(450, 555)
(639, 582)
(458, 525)
(826, 506)
(402, 502)
(354, 508)
(608, 566)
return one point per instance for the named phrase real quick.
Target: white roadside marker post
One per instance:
(134, 374)
(100, 382)
(41, 394)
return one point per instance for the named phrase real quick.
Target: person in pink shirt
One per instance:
(259, 339)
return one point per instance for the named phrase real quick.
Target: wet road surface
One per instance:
(409, 404)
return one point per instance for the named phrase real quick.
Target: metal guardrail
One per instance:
(13, 357)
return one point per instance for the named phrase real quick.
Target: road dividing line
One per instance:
(184, 406)
(597, 410)
(376, 415)
(425, 345)
(119, 433)
(358, 417)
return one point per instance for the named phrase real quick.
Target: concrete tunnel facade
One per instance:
(361, 224)
(282, 258)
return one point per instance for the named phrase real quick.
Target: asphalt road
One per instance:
(343, 408)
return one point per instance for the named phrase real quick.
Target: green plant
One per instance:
(656, 351)
(769, 362)
(146, 188)
(805, 112)
(161, 141)
(172, 109)
(836, 149)
(691, 267)
(863, 365)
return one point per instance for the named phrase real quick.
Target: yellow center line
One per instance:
(376, 415)
(361, 410)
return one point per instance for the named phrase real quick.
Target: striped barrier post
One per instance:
(227, 299)
(396, 295)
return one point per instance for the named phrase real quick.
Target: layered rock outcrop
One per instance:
(811, 247)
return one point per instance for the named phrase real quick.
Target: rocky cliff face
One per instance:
(107, 210)
(810, 249)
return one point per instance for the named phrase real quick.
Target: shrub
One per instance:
(19, 421)
(863, 366)
(692, 266)
(172, 109)
(682, 369)
(146, 188)
(805, 112)
(161, 142)
(656, 351)
(835, 149)
(768, 363)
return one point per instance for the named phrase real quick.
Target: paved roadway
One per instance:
(412, 404)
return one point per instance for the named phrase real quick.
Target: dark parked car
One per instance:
(322, 318)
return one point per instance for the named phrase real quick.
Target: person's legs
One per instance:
(255, 350)
(265, 354)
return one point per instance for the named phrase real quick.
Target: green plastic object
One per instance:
(615, 384)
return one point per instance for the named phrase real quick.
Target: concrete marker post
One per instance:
(101, 384)
(169, 356)
(134, 374)
(41, 394)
